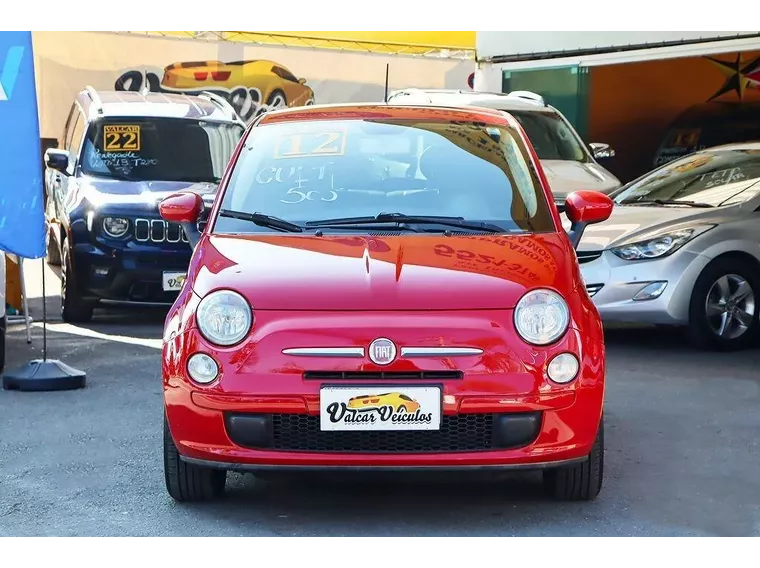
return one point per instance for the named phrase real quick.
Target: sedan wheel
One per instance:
(724, 311)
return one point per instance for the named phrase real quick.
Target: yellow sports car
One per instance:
(276, 84)
(374, 401)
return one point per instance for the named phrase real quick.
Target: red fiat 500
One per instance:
(383, 288)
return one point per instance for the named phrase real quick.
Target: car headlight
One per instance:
(224, 317)
(541, 317)
(660, 245)
(115, 226)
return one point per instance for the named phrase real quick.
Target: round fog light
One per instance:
(202, 368)
(563, 368)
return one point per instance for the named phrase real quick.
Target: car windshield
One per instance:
(311, 171)
(159, 149)
(550, 136)
(710, 178)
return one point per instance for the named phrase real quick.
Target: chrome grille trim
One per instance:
(325, 351)
(360, 352)
(158, 231)
(439, 351)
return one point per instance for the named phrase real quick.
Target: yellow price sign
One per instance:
(121, 138)
(299, 145)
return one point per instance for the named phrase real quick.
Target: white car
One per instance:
(570, 165)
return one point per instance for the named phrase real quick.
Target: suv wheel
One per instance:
(73, 309)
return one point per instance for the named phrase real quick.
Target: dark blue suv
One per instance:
(122, 152)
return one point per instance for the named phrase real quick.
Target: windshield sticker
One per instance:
(123, 162)
(121, 138)
(300, 145)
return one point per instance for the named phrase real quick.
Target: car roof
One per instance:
(755, 146)
(206, 106)
(387, 110)
(514, 101)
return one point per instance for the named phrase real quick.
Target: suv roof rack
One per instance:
(95, 98)
(222, 103)
(528, 96)
(522, 95)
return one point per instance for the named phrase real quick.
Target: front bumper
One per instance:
(614, 284)
(133, 274)
(264, 411)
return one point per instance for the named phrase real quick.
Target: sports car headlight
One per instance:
(115, 226)
(224, 317)
(541, 317)
(659, 245)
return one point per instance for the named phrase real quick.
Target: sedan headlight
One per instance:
(541, 317)
(224, 317)
(115, 226)
(659, 245)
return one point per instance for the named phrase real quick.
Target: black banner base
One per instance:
(44, 375)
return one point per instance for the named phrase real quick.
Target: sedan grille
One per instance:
(588, 255)
(593, 289)
(462, 433)
(158, 231)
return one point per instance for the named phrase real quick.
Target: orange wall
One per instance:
(631, 105)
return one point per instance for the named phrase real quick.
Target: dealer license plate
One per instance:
(382, 407)
(173, 281)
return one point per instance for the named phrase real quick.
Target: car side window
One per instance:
(284, 74)
(68, 127)
(77, 135)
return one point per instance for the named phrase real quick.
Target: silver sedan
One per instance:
(682, 247)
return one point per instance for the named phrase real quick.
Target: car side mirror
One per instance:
(585, 208)
(302, 80)
(184, 208)
(56, 159)
(601, 151)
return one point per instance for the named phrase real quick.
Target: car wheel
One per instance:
(52, 250)
(723, 313)
(189, 482)
(579, 482)
(73, 309)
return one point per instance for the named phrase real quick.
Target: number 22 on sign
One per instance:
(326, 143)
(121, 138)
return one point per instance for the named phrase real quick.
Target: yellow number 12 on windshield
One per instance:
(304, 144)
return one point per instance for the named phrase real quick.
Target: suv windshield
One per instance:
(550, 136)
(710, 178)
(311, 171)
(159, 149)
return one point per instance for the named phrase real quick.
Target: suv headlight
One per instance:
(659, 245)
(224, 317)
(541, 317)
(115, 226)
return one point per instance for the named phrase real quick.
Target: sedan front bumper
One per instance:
(619, 288)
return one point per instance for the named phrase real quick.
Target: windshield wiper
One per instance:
(263, 220)
(414, 219)
(669, 202)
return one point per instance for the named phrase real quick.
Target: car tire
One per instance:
(582, 481)
(73, 309)
(717, 291)
(52, 250)
(189, 482)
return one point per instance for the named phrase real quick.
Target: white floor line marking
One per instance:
(83, 332)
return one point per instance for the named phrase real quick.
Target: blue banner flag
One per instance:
(22, 215)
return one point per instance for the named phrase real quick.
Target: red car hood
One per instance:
(425, 272)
